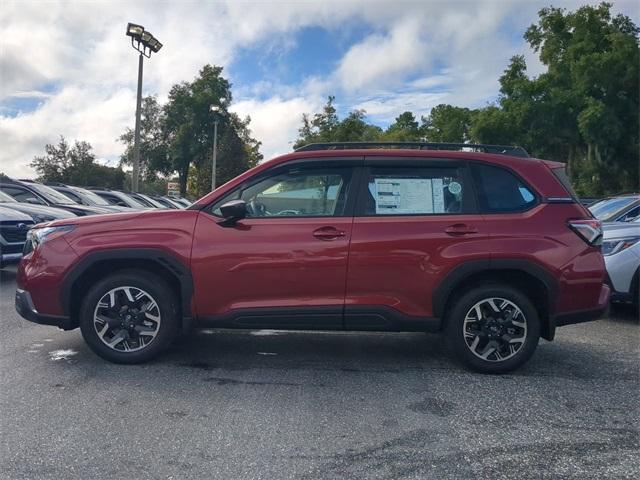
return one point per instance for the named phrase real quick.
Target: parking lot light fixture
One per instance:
(145, 43)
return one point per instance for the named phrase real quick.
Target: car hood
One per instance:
(125, 219)
(51, 212)
(620, 229)
(6, 214)
(84, 209)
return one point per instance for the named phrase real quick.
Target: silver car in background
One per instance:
(621, 250)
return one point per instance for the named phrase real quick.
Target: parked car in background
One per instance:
(621, 208)
(180, 200)
(489, 248)
(28, 191)
(86, 197)
(621, 250)
(168, 203)
(14, 226)
(146, 200)
(114, 197)
(39, 213)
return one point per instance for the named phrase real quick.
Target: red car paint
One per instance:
(341, 262)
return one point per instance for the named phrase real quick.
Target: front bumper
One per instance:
(8, 258)
(581, 316)
(26, 309)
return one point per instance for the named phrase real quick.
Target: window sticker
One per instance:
(455, 188)
(406, 196)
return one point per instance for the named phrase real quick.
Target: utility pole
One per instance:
(136, 140)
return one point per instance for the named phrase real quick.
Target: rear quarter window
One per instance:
(563, 178)
(500, 191)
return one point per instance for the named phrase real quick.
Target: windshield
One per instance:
(4, 198)
(128, 199)
(51, 195)
(93, 198)
(604, 209)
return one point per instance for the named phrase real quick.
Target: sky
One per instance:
(67, 68)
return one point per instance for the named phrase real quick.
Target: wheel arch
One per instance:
(533, 280)
(99, 264)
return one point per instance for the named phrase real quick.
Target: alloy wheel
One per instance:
(495, 329)
(127, 319)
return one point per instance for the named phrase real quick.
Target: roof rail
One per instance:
(476, 147)
(55, 184)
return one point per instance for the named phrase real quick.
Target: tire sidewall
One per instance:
(160, 292)
(455, 332)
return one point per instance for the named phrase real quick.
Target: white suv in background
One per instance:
(621, 250)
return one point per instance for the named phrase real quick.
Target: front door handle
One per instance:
(328, 233)
(460, 229)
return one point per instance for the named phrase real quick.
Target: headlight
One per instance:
(611, 247)
(38, 236)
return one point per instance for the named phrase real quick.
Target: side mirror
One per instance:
(34, 201)
(232, 212)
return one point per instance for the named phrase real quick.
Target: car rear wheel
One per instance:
(493, 328)
(129, 317)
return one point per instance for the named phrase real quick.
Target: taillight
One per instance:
(589, 230)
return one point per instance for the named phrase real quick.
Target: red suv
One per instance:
(485, 245)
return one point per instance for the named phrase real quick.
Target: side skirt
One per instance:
(351, 318)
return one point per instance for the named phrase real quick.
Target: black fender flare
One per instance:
(161, 257)
(465, 270)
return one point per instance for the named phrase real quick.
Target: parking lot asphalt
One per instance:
(279, 405)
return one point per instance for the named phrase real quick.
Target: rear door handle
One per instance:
(328, 233)
(460, 229)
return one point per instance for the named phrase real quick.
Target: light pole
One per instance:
(145, 43)
(215, 109)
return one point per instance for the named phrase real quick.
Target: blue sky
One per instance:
(67, 69)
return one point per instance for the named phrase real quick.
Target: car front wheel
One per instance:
(129, 317)
(493, 328)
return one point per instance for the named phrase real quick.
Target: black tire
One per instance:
(166, 302)
(455, 328)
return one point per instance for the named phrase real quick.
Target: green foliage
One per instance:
(447, 123)
(189, 128)
(75, 165)
(154, 146)
(178, 137)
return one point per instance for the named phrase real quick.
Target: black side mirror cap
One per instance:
(232, 212)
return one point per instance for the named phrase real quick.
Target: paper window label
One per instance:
(407, 196)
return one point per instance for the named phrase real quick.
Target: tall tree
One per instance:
(75, 165)
(405, 128)
(584, 109)
(189, 128)
(446, 123)
(154, 145)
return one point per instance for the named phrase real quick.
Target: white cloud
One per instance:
(276, 121)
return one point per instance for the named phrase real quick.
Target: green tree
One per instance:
(446, 123)
(405, 128)
(584, 109)
(189, 126)
(154, 146)
(75, 165)
(327, 127)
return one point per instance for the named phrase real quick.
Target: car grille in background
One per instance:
(15, 232)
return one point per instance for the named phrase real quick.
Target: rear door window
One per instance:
(500, 191)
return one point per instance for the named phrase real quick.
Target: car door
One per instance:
(415, 221)
(285, 264)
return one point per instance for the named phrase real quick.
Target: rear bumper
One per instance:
(26, 309)
(581, 316)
